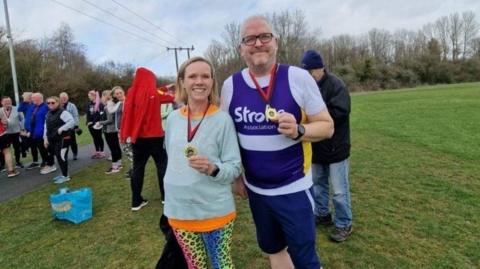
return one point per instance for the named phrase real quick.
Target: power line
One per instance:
(159, 57)
(127, 22)
(145, 20)
(107, 23)
(176, 54)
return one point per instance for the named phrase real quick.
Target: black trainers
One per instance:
(324, 220)
(341, 234)
(19, 165)
(136, 208)
(33, 166)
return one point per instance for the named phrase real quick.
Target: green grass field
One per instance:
(415, 192)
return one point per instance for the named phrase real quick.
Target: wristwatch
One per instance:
(215, 171)
(300, 131)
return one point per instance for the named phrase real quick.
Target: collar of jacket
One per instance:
(323, 79)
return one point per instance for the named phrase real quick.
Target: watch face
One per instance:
(301, 129)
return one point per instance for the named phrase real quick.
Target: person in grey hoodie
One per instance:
(72, 108)
(14, 126)
(110, 130)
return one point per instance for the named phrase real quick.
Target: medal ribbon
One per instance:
(8, 112)
(191, 133)
(268, 94)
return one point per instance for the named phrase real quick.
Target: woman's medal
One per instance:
(190, 150)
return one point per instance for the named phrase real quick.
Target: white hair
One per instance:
(39, 95)
(255, 18)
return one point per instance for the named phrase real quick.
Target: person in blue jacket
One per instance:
(37, 122)
(26, 107)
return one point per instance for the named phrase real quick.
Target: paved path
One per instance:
(31, 180)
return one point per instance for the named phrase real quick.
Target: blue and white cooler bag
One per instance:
(74, 206)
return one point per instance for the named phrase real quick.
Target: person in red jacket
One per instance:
(142, 125)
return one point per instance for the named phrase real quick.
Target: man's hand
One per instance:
(287, 125)
(239, 187)
(45, 143)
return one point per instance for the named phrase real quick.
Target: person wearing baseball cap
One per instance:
(330, 157)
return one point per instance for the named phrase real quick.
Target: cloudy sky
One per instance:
(197, 22)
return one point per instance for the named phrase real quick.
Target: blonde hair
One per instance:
(54, 98)
(117, 88)
(181, 95)
(107, 94)
(27, 94)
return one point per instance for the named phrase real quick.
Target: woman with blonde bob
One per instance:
(111, 131)
(204, 159)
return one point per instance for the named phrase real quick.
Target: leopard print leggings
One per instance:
(198, 247)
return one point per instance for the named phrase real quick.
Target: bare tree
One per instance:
(343, 49)
(293, 34)
(476, 47)
(470, 30)
(454, 33)
(441, 32)
(380, 44)
(232, 39)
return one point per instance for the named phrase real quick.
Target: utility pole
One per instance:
(176, 55)
(12, 54)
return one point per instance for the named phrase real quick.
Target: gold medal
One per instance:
(190, 151)
(271, 113)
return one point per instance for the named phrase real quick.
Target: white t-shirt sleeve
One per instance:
(305, 91)
(226, 94)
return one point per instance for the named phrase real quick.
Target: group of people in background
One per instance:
(44, 127)
(278, 133)
(49, 128)
(103, 119)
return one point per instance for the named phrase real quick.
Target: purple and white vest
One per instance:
(271, 160)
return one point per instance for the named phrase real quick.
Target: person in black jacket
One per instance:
(94, 114)
(330, 157)
(59, 125)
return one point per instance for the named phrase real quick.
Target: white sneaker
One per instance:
(62, 179)
(48, 169)
(136, 208)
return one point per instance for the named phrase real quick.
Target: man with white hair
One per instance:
(37, 123)
(277, 111)
(72, 109)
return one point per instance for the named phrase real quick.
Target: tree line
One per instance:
(444, 51)
(58, 63)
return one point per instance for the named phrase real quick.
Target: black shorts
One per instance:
(12, 138)
(4, 141)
